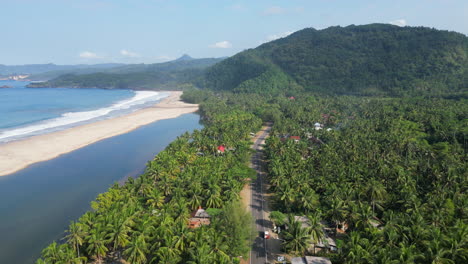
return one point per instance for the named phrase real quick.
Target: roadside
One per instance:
(255, 199)
(246, 193)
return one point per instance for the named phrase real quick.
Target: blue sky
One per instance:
(135, 31)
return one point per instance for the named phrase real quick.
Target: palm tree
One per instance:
(376, 194)
(436, 253)
(76, 236)
(96, 244)
(201, 254)
(155, 199)
(309, 200)
(296, 238)
(214, 200)
(458, 241)
(355, 251)
(182, 236)
(52, 253)
(316, 228)
(408, 253)
(364, 216)
(136, 250)
(219, 246)
(166, 255)
(119, 232)
(337, 212)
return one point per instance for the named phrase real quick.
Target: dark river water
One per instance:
(38, 203)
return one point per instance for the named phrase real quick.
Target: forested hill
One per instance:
(369, 59)
(176, 74)
(6, 70)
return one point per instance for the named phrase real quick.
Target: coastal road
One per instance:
(263, 250)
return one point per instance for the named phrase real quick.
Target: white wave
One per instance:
(73, 118)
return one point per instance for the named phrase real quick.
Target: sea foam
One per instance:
(71, 119)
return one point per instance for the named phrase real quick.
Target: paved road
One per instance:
(263, 250)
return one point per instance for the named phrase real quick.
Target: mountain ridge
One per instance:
(368, 59)
(171, 75)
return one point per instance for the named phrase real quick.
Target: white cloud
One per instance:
(164, 58)
(274, 10)
(280, 35)
(89, 55)
(130, 54)
(221, 45)
(399, 22)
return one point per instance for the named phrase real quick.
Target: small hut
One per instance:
(199, 217)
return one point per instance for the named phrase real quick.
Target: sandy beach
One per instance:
(17, 155)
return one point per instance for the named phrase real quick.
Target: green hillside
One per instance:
(177, 74)
(369, 59)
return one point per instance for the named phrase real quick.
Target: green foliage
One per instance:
(196, 96)
(173, 75)
(296, 237)
(391, 170)
(236, 223)
(146, 219)
(374, 59)
(278, 218)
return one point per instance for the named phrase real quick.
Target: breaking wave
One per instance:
(140, 100)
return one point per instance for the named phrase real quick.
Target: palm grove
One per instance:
(389, 165)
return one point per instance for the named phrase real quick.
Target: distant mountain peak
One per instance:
(184, 57)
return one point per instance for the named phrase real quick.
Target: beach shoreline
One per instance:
(17, 155)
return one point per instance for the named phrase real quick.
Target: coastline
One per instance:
(18, 155)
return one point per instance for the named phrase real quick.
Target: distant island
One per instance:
(179, 74)
(6, 86)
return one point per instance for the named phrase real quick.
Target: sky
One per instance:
(150, 31)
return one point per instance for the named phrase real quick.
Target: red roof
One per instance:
(295, 137)
(221, 148)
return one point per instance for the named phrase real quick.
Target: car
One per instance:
(266, 235)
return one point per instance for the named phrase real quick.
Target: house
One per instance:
(221, 149)
(327, 242)
(292, 98)
(341, 229)
(317, 260)
(199, 217)
(317, 126)
(310, 260)
(295, 138)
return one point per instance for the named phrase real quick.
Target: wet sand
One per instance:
(17, 155)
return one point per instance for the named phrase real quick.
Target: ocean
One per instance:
(38, 203)
(26, 112)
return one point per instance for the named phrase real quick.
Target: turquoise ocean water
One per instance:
(26, 112)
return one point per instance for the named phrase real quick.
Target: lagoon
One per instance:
(37, 203)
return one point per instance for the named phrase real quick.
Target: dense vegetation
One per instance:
(174, 75)
(386, 177)
(394, 171)
(389, 172)
(146, 220)
(371, 59)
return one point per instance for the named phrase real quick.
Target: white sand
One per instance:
(17, 155)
